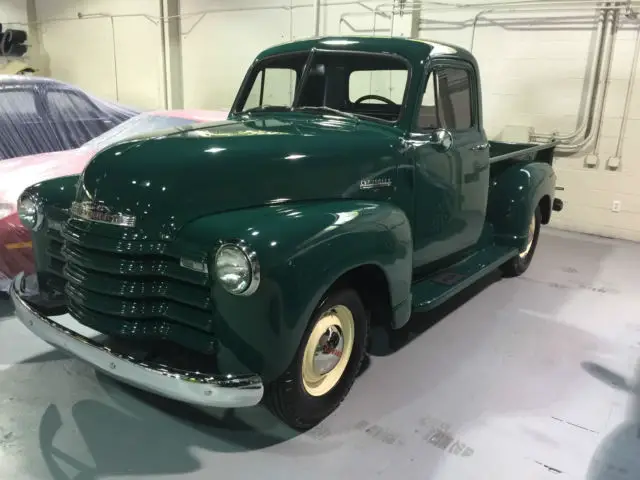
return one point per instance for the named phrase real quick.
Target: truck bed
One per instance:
(521, 152)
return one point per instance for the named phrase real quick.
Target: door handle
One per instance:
(482, 146)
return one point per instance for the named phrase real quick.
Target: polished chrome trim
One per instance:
(192, 387)
(100, 213)
(252, 257)
(39, 209)
(371, 183)
(194, 265)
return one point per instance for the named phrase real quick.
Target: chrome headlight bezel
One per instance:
(250, 257)
(28, 202)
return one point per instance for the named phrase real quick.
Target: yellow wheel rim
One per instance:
(327, 352)
(530, 235)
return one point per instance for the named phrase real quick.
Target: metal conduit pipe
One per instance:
(595, 123)
(387, 10)
(596, 103)
(629, 95)
(538, 5)
(598, 61)
(316, 18)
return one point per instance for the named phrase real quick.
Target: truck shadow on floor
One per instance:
(616, 457)
(385, 341)
(156, 435)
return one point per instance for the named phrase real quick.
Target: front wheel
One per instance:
(519, 264)
(326, 363)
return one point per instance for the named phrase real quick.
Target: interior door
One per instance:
(451, 170)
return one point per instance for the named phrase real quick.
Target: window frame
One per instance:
(250, 76)
(25, 89)
(440, 64)
(99, 114)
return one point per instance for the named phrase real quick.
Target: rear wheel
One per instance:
(519, 264)
(326, 363)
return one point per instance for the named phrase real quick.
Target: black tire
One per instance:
(288, 398)
(518, 264)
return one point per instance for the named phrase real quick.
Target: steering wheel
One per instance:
(375, 97)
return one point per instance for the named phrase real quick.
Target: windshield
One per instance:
(138, 125)
(343, 83)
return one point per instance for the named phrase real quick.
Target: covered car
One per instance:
(40, 115)
(19, 173)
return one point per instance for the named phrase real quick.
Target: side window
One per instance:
(69, 106)
(447, 100)
(389, 84)
(272, 86)
(17, 102)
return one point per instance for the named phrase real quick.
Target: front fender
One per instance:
(302, 249)
(515, 192)
(56, 195)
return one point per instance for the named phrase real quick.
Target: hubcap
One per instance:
(530, 235)
(328, 350)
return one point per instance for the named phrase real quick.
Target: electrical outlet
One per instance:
(615, 207)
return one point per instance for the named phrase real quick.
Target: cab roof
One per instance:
(412, 49)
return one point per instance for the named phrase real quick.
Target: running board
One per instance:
(435, 289)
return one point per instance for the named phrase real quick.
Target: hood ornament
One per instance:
(96, 211)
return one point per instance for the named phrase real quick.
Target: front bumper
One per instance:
(192, 387)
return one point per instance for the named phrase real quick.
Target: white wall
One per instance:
(13, 13)
(530, 77)
(536, 78)
(118, 59)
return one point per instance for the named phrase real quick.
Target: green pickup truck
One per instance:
(243, 261)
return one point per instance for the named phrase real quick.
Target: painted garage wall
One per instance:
(12, 11)
(534, 68)
(116, 58)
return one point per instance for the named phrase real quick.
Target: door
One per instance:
(451, 165)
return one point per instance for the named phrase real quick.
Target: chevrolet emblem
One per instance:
(97, 212)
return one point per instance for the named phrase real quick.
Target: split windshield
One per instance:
(352, 84)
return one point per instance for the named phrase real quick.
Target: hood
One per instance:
(166, 181)
(18, 173)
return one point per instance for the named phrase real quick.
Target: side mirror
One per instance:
(441, 139)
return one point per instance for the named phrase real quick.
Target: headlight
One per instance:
(6, 209)
(30, 212)
(237, 268)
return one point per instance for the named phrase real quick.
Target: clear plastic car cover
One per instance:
(81, 133)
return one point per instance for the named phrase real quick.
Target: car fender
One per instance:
(514, 194)
(56, 195)
(303, 249)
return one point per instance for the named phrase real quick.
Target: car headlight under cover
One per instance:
(237, 269)
(30, 212)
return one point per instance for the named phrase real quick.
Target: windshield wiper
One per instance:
(269, 108)
(329, 109)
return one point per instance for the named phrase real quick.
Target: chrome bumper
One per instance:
(226, 391)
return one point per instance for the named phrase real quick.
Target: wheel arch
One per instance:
(365, 244)
(514, 194)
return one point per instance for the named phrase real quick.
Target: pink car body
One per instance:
(17, 174)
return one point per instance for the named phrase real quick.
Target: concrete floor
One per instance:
(529, 378)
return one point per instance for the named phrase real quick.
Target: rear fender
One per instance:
(303, 249)
(514, 193)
